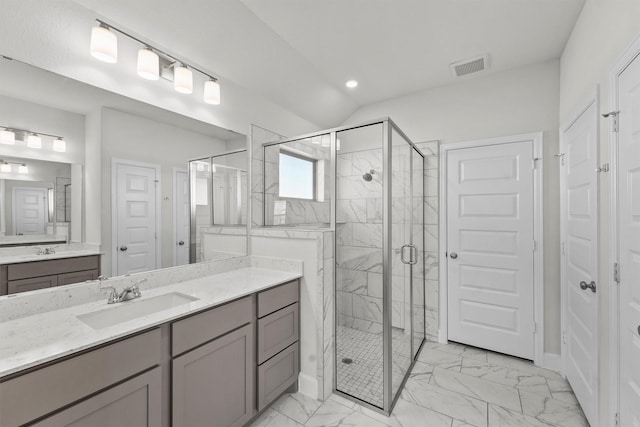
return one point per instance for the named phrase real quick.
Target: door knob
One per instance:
(453, 255)
(638, 329)
(123, 248)
(181, 242)
(584, 286)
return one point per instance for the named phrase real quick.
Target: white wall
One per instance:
(511, 102)
(603, 31)
(129, 137)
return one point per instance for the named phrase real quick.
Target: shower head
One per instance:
(368, 176)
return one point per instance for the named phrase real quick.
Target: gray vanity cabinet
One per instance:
(30, 276)
(278, 347)
(213, 382)
(134, 403)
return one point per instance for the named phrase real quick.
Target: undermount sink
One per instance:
(130, 310)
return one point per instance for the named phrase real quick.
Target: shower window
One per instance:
(296, 176)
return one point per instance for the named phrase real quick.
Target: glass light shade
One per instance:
(148, 64)
(34, 141)
(59, 145)
(212, 92)
(7, 137)
(104, 44)
(23, 169)
(5, 168)
(182, 79)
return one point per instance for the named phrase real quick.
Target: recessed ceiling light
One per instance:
(351, 83)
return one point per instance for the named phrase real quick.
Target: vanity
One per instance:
(29, 273)
(215, 350)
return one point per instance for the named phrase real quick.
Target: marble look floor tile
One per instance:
(558, 384)
(332, 414)
(343, 401)
(421, 371)
(446, 402)
(501, 417)
(488, 391)
(461, 350)
(506, 376)
(296, 406)
(552, 411)
(565, 396)
(272, 418)
(521, 365)
(407, 414)
(458, 423)
(438, 358)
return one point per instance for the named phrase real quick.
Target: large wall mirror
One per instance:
(116, 147)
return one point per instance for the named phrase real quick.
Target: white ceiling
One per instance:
(299, 53)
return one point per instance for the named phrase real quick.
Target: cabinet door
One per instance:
(134, 403)
(213, 385)
(24, 285)
(77, 277)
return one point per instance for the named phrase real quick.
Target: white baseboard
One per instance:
(308, 386)
(552, 361)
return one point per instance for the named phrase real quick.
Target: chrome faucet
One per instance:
(50, 250)
(128, 293)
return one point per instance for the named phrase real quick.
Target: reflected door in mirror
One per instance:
(182, 214)
(30, 210)
(136, 209)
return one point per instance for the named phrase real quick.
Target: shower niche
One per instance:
(366, 182)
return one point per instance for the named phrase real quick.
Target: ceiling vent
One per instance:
(469, 66)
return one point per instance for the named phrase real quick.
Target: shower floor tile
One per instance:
(363, 377)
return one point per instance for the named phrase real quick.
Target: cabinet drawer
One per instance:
(77, 277)
(54, 266)
(277, 331)
(201, 328)
(277, 298)
(24, 285)
(277, 374)
(40, 392)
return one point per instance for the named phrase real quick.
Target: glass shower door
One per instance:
(417, 242)
(401, 230)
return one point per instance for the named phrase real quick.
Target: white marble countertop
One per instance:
(14, 259)
(29, 341)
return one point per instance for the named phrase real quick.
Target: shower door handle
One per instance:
(402, 258)
(414, 254)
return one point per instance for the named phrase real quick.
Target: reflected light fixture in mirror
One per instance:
(104, 44)
(59, 145)
(5, 167)
(23, 169)
(7, 137)
(34, 141)
(148, 64)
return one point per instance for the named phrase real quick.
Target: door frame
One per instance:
(175, 172)
(622, 62)
(593, 98)
(114, 210)
(538, 254)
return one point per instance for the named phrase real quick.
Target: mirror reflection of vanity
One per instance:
(126, 194)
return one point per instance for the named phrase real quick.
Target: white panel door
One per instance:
(183, 215)
(490, 247)
(629, 242)
(30, 210)
(136, 208)
(580, 258)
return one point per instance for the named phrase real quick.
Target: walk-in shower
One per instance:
(367, 183)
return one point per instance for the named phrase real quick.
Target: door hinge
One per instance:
(603, 168)
(616, 419)
(562, 248)
(533, 162)
(616, 272)
(561, 156)
(564, 337)
(614, 122)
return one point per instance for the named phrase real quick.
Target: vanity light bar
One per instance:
(152, 63)
(32, 139)
(5, 167)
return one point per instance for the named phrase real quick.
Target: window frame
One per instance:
(314, 182)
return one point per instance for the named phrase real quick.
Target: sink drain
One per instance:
(347, 361)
